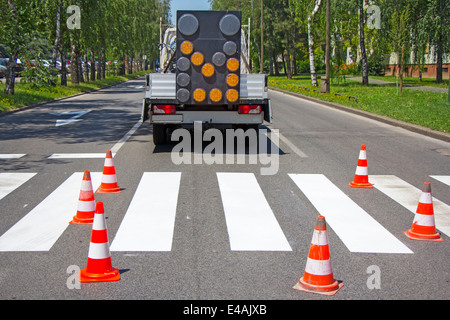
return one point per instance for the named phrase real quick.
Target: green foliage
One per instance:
(38, 75)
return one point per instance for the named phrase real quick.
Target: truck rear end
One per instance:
(209, 84)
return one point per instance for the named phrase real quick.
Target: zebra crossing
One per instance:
(149, 222)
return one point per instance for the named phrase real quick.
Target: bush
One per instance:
(38, 75)
(375, 65)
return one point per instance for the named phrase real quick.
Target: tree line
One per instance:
(295, 32)
(94, 31)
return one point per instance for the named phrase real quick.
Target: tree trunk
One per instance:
(63, 56)
(58, 35)
(80, 68)
(122, 65)
(103, 63)
(74, 69)
(275, 64)
(99, 65)
(365, 69)
(439, 60)
(92, 65)
(10, 74)
(288, 59)
(63, 66)
(439, 44)
(86, 68)
(312, 57)
(328, 49)
(402, 68)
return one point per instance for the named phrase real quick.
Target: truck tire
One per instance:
(159, 134)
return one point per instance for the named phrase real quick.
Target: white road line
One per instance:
(114, 149)
(443, 179)
(125, 138)
(11, 155)
(408, 196)
(250, 221)
(354, 226)
(10, 181)
(78, 155)
(292, 146)
(150, 219)
(42, 226)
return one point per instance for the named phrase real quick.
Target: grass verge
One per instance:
(423, 108)
(25, 96)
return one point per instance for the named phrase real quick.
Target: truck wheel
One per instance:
(159, 134)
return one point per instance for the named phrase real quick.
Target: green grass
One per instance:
(25, 96)
(424, 108)
(427, 82)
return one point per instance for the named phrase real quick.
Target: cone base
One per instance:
(77, 220)
(365, 185)
(86, 277)
(111, 190)
(328, 290)
(425, 237)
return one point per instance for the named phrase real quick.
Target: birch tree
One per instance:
(312, 56)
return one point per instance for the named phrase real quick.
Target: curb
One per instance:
(5, 113)
(408, 126)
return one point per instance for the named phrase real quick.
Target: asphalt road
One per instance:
(210, 253)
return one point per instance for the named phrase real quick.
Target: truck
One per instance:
(204, 77)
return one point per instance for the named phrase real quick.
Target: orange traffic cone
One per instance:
(99, 267)
(109, 179)
(423, 227)
(318, 276)
(86, 202)
(361, 179)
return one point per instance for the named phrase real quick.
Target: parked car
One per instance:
(45, 63)
(2, 71)
(17, 70)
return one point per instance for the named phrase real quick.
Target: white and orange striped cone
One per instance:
(109, 179)
(318, 276)
(86, 202)
(423, 227)
(361, 179)
(99, 267)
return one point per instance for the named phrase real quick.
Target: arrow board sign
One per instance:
(76, 115)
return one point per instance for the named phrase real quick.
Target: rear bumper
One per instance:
(216, 117)
(208, 117)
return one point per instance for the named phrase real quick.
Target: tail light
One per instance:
(163, 109)
(249, 109)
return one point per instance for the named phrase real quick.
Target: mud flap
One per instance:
(267, 109)
(145, 109)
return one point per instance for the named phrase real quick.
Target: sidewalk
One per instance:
(408, 86)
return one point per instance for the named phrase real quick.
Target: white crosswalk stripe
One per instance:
(148, 225)
(10, 181)
(149, 222)
(12, 155)
(354, 226)
(251, 223)
(443, 179)
(42, 226)
(408, 196)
